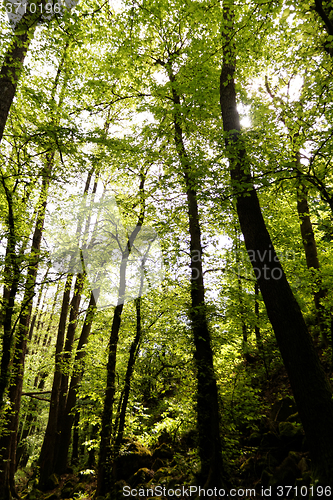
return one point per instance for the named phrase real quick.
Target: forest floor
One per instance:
(272, 454)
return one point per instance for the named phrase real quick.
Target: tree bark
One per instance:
(104, 479)
(47, 455)
(309, 384)
(75, 451)
(311, 255)
(68, 418)
(12, 277)
(128, 377)
(13, 63)
(325, 14)
(67, 352)
(8, 440)
(212, 472)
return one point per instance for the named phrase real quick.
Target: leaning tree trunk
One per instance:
(212, 472)
(309, 384)
(13, 62)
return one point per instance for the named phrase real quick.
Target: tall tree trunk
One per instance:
(13, 62)
(104, 482)
(68, 348)
(65, 428)
(104, 479)
(309, 384)
(64, 418)
(259, 342)
(55, 301)
(67, 352)
(37, 310)
(91, 454)
(12, 277)
(47, 455)
(208, 417)
(242, 314)
(257, 333)
(311, 255)
(75, 451)
(8, 440)
(128, 377)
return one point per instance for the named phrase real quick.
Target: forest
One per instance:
(166, 222)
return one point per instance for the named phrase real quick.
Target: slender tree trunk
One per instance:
(12, 277)
(75, 450)
(104, 479)
(311, 255)
(37, 310)
(256, 312)
(69, 416)
(307, 233)
(46, 458)
(48, 451)
(245, 345)
(67, 352)
(65, 407)
(259, 342)
(208, 417)
(60, 463)
(8, 441)
(7, 338)
(55, 301)
(309, 384)
(105, 456)
(128, 377)
(91, 455)
(119, 426)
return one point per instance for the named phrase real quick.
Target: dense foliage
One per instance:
(140, 340)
